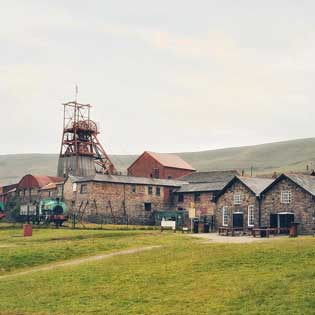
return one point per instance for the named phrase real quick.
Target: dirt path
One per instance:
(80, 261)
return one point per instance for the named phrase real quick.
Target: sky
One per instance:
(165, 76)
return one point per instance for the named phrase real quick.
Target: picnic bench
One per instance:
(264, 231)
(226, 230)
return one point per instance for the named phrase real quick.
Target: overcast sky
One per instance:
(166, 76)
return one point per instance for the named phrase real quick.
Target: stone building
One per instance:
(201, 190)
(291, 197)
(159, 165)
(238, 203)
(119, 199)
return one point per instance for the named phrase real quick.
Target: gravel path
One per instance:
(215, 238)
(80, 261)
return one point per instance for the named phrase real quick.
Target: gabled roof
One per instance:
(201, 187)
(51, 186)
(306, 182)
(38, 180)
(255, 184)
(122, 179)
(210, 177)
(167, 160)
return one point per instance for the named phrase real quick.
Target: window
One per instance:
(150, 190)
(156, 173)
(286, 196)
(147, 206)
(133, 188)
(250, 215)
(83, 189)
(197, 197)
(158, 191)
(74, 187)
(225, 216)
(59, 190)
(180, 197)
(237, 198)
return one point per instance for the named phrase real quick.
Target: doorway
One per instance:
(282, 220)
(238, 219)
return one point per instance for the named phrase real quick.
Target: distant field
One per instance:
(266, 158)
(184, 276)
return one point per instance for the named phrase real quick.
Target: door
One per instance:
(286, 220)
(274, 220)
(238, 219)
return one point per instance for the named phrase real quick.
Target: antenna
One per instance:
(76, 92)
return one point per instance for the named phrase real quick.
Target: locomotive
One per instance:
(2, 214)
(53, 210)
(46, 211)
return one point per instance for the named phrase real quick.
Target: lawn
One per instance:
(184, 276)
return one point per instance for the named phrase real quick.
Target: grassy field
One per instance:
(265, 158)
(184, 276)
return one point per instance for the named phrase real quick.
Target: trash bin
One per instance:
(195, 225)
(206, 227)
(27, 230)
(263, 232)
(294, 229)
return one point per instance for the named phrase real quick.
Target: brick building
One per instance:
(119, 199)
(238, 203)
(159, 165)
(291, 197)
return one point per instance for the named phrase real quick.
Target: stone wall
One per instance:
(302, 205)
(227, 199)
(117, 201)
(204, 206)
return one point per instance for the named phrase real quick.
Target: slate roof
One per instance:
(307, 182)
(210, 177)
(201, 187)
(121, 179)
(255, 184)
(167, 160)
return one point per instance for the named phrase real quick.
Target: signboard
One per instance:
(168, 224)
(192, 213)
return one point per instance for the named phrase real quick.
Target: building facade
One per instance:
(290, 198)
(158, 165)
(119, 199)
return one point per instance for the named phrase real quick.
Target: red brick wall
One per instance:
(145, 165)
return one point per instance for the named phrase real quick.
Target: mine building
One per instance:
(238, 204)
(159, 165)
(290, 198)
(201, 189)
(30, 191)
(119, 199)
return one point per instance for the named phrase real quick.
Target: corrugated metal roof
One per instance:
(121, 179)
(210, 177)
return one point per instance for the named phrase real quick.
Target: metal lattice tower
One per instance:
(81, 153)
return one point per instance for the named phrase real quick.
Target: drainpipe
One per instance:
(259, 210)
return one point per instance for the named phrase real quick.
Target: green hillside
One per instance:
(291, 155)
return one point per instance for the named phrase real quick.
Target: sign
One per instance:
(192, 213)
(168, 224)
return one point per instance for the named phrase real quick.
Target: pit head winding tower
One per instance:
(81, 152)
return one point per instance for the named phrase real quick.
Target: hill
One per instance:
(283, 156)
